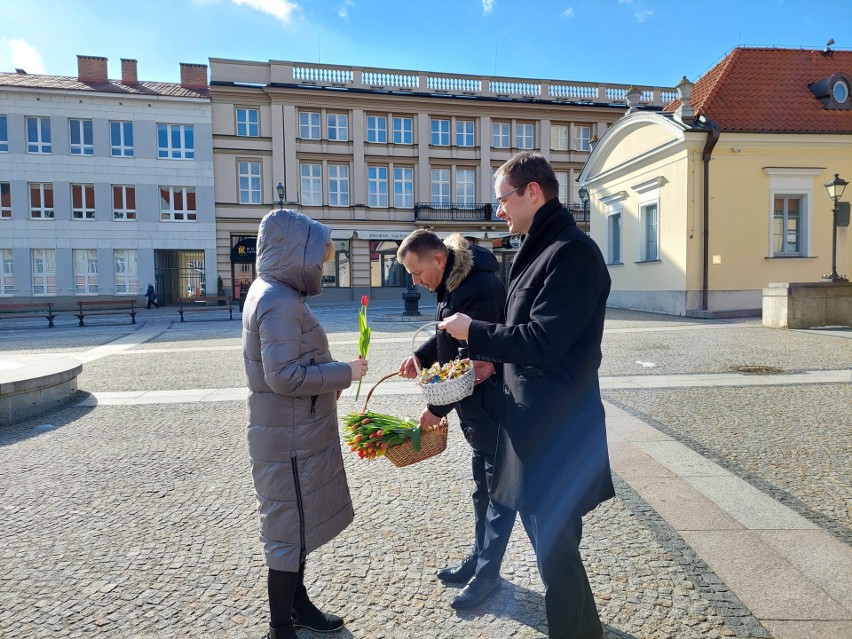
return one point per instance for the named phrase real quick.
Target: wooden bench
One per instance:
(213, 303)
(107, 307)
(29, 310)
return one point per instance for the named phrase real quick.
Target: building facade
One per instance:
(106, 185)
(700, 207)
(376, 153)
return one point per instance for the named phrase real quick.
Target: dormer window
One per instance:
(834, 91)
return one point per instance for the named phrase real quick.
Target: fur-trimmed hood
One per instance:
(466, 259)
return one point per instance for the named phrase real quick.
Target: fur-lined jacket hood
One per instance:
(465, 259)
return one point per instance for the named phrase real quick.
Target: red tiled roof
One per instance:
(67, 83)
(766, 90)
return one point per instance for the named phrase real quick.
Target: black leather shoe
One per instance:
(307, 615)
(460, 574)
(476, 592)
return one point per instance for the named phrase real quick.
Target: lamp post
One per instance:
(835, 190)
(584, 197)
(280, 189)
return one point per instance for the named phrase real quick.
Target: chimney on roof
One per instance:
(91, 68)
(128, 72)
(20, 71)
(632, 97)
(193, 76)
(685, 113)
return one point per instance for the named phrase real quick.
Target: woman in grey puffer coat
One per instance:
(293, 441)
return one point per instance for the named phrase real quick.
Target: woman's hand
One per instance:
(359, 368)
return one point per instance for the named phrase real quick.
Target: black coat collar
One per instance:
(548, 222)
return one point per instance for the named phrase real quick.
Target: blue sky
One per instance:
(651, 42)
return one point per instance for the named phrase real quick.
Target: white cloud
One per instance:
(568, 13)
(282, 10)
(21, 55)
(343, 9)
(643, 15)
(487, 6)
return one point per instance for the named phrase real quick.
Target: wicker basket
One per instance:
(433, 441)
(449, 391)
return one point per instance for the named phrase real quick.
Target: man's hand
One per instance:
(482, 371)
(428, 420)
(407, 369)
(456, 325)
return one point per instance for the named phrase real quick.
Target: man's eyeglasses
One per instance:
(501, 200)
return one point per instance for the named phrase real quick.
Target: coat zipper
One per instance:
(299, 506)
(313, 397)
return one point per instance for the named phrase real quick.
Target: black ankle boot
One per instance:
(307, 615)
(287, 631)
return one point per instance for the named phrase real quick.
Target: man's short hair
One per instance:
(528, 166)
(422, 243)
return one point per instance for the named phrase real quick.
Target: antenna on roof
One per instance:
(827, 52)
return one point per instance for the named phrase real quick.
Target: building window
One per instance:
(81, 137)
(440, 132)
(123, 202)
(249, 182)
(176, 141)
(44, 271)
(377, 129)
(4, 135)
(338, 185)
(311, 191)
(5, 200)
(85, 271)
(464, 133)
(126, 272)
(338, 127)
(562, 178)
(500, 135)
(402, 131)
(787, 222)
(121, 139)
(465, 186)
(337, 273)
(649, 219)
(41, 200)
(559, 137)
(82, 201)
(377, 186)
(524, 134)
(385, 270)
(177, 204)
(38, 135)
(403, 187)
(440, 186)
(248, 122)
(7, 283)
(613, 233)
(309, 125)
(582, 135)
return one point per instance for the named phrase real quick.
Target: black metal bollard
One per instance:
(411, 298)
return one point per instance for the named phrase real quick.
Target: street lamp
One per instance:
(584, 196)
(835, 192)
(280, 189)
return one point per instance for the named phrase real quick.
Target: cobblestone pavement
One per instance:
(138, 520)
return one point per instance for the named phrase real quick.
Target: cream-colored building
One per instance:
(376, 153)
(700, 207)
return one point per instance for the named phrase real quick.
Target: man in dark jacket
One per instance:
(552, 462)
(465, 280)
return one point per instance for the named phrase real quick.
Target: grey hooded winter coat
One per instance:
(293, 441)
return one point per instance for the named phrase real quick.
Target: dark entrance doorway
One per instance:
(179, 274)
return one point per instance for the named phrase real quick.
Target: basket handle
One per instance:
(367, 399)
(413, 337)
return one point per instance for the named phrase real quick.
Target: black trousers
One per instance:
(571, 609)
(493, 521)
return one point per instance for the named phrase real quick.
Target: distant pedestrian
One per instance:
(151, 296)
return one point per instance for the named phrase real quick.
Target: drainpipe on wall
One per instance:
(712, 138)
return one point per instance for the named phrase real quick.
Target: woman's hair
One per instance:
(329, 252)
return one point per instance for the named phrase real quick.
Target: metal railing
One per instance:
(453, 211)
